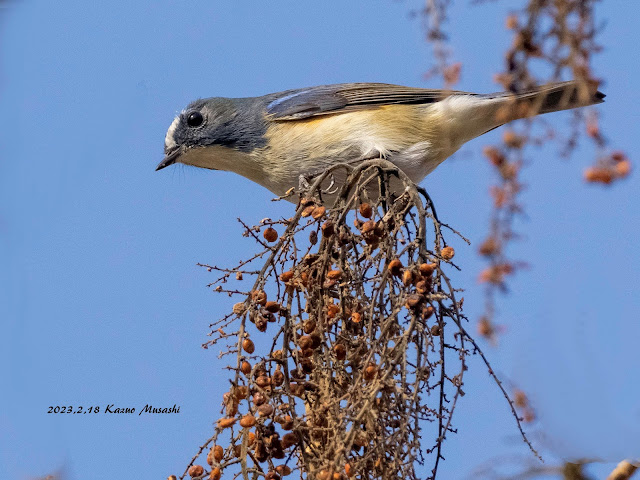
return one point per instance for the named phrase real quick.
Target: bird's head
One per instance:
(202, 124)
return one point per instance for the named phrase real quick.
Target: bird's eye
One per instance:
(195, 119)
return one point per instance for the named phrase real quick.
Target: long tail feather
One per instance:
(549, 98)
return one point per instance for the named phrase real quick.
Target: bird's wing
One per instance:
(346, 97)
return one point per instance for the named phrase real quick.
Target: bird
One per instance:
(277, 139)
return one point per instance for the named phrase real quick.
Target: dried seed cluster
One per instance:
(348, 381)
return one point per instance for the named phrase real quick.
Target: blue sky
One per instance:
(100, 298)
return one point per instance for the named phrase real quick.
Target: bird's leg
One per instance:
(303, 184)
(424, 193)
(382, 190)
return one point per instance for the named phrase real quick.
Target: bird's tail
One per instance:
(469, 116)
(548, 98)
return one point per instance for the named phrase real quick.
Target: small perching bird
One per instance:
(275, 139)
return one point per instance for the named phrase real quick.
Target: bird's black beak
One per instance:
(170, 158)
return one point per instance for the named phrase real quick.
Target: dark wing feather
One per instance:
(346, 97)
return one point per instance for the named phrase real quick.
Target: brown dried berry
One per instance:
(340, 351)
(622, 168)
(447, 253)
(407, 278)
(261, 453)
(210, 459)
(309, 326)
(286, 276)
(263, 381)
(323, 475)
(287, 423)
(427, 312)
(297, 390)
(272, 307)
(361, 439)
(307, 365)
(489, 247)
(414, 301)
(259, 398)
(265, 410)
(245, 367)
(271, 475)
(283, 470)
(427, 268)
(261, 323)
(215, 474)
(318, 212)
(226, 422)
(328, 229)
(598, 175)
(329, 283)
(422, 286)
(247, 421)
(241, 392)
(305, 342)
(348, 469)
(512, 139)
(593, 130)
(373, 236)
(277, 378)
(316, 340)
(218, 453)
(356, 317)
(435, 330)
(332, 310)
(239, 308)
(270, 234)
(509, 171)
(259, 297)
(395, 267)
(495, 156)
(365, 210)
(308, 210)
(248, 346)
(370, 372)
(368, 227)
(520, 399)
(334, 274)
(529, 415)
(196, 470)
(289, 439)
